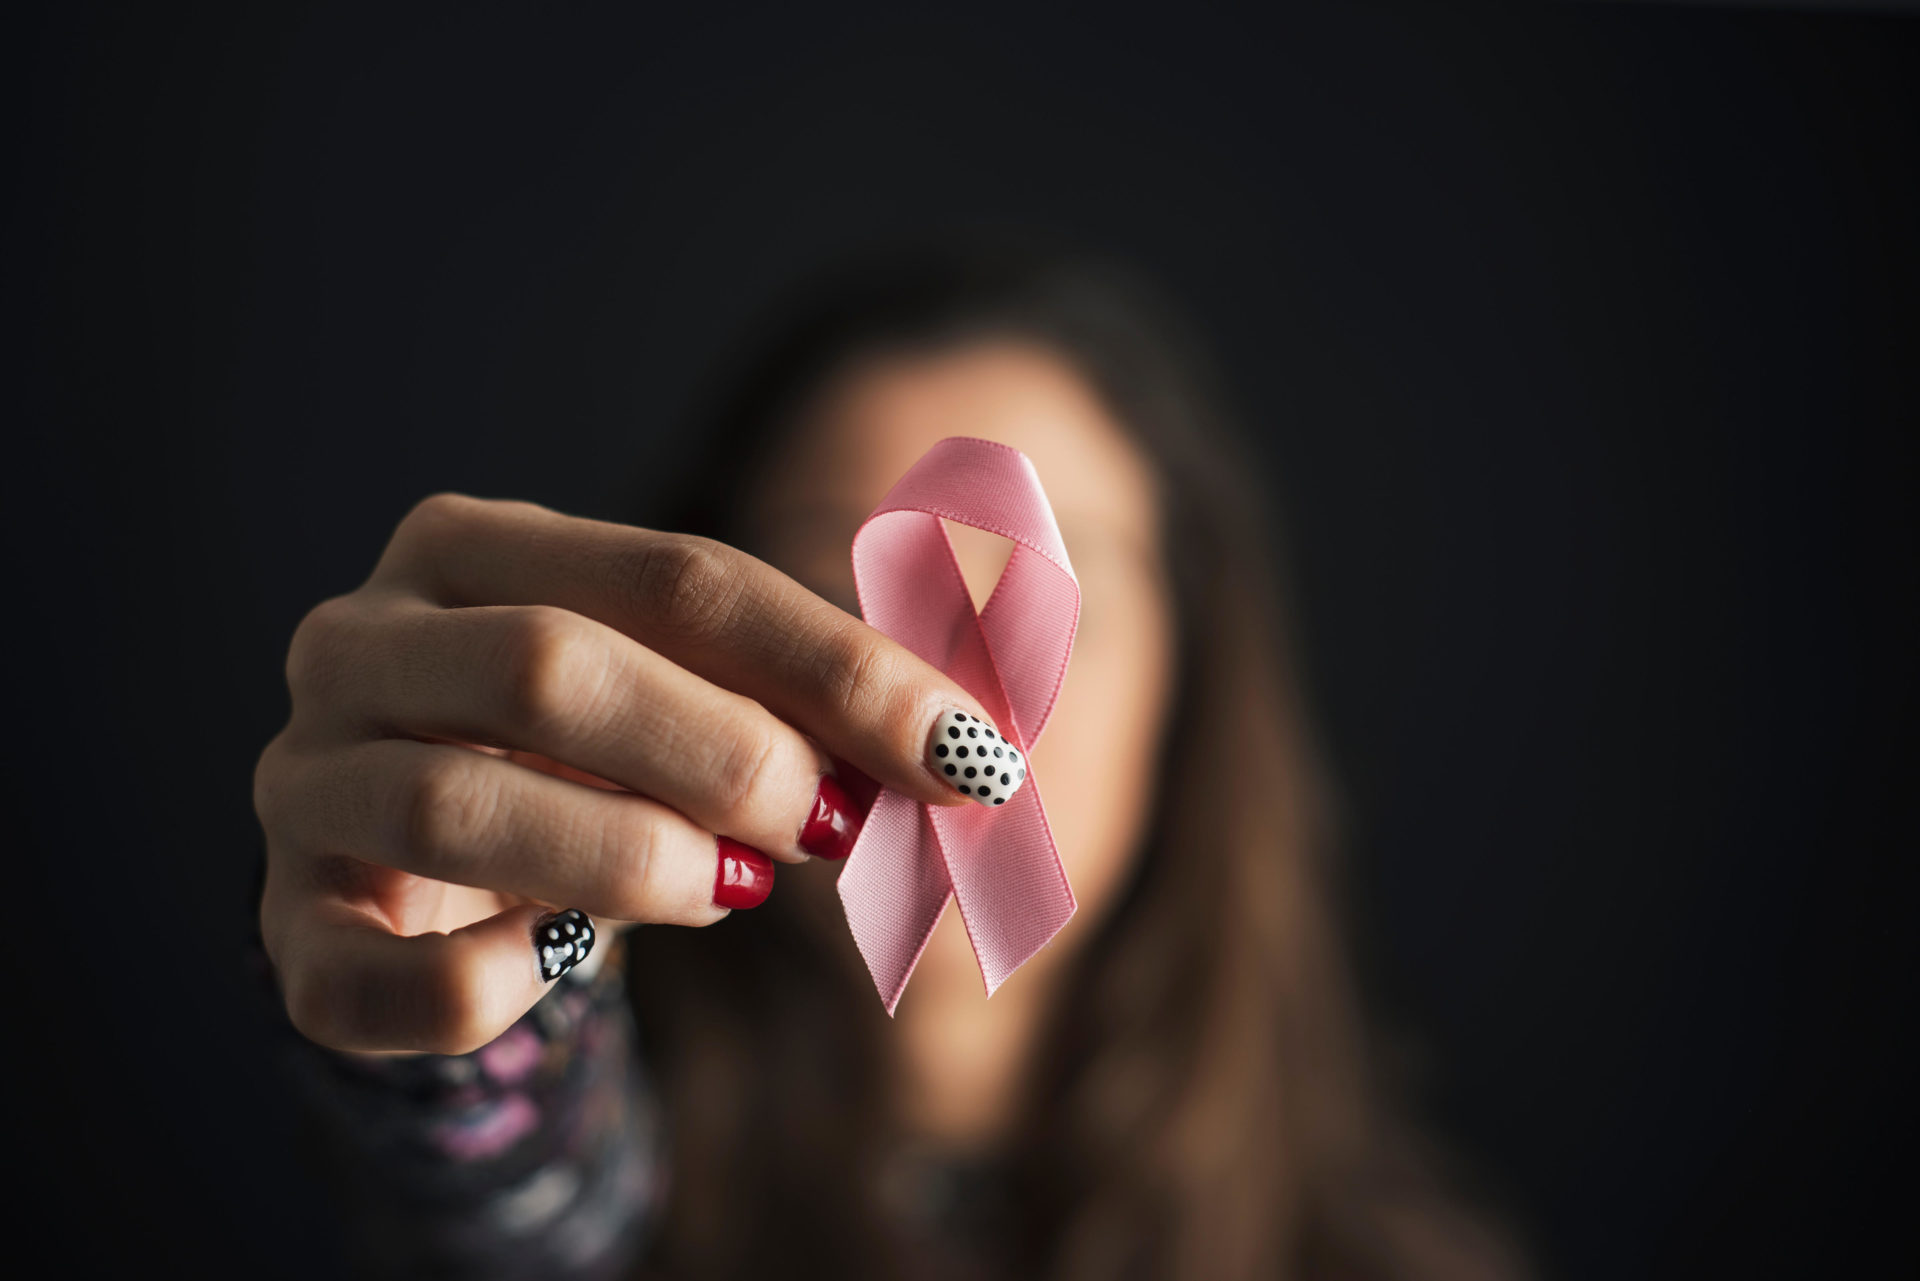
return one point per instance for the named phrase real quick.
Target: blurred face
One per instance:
(1095, 762)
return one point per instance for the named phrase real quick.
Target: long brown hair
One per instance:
(1207, 1108)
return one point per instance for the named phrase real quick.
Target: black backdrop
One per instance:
(1579, 344)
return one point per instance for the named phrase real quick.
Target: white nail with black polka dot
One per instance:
(976, 759)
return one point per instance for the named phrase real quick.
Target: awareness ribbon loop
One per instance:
(1000, 865)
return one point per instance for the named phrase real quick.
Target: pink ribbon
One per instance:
(1000, 864)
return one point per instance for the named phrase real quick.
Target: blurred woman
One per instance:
(526, 723)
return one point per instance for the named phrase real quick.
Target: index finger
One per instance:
(709, 608)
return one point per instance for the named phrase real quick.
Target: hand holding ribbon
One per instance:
(999, 864)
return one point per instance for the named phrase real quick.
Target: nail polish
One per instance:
(561, 940)
(744, 877)
(833, 824)
(976, 759)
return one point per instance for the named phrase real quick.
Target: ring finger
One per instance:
(556, 683)
(463, 817)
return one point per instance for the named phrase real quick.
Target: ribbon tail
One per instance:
(1007, 877)
(894, 886)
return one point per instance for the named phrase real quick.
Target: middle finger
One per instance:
(550, 681)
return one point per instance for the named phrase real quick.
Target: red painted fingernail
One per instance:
(744, 877)
(834, 823)
(862, 789)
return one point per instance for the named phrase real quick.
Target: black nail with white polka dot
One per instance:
(976, 759)
(561, 941)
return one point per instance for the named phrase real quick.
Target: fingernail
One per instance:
(744, 877)
(976, 759)
(861, 789)
(561, 940)
(833, 824)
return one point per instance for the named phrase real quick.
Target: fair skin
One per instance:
(411, 847)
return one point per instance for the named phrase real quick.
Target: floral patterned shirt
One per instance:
(537, 1155)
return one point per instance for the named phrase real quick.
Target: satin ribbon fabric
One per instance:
(999, 864)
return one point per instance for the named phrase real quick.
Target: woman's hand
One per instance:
(521, 711)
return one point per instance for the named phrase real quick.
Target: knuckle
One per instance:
(435, 515)
(442, 1007)
(632, 866)
(856, 672)
(269, 785)
(436, 522)
(316, 658)
(446, 805)
(744, 773)
(552, 667)
(314, 1007)
(646, 872)
(457, 1015)
(685, 585)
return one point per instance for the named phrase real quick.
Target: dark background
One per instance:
(1580, 344)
